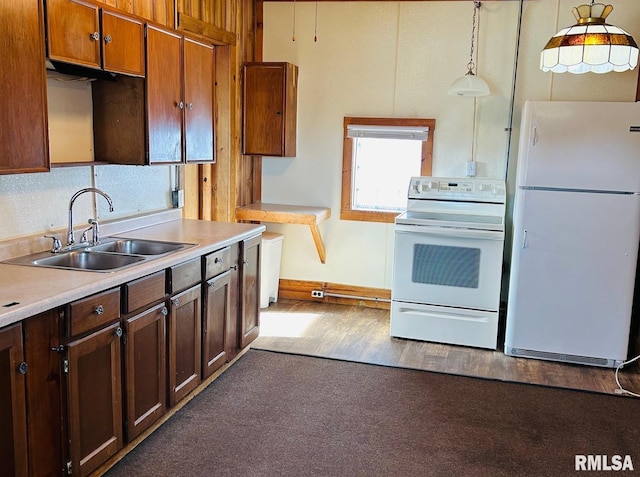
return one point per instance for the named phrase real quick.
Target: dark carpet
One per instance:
(275, 414)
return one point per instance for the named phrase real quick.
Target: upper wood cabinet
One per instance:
(269, 109)
(166, 118)
(84, 34)
(23, 124)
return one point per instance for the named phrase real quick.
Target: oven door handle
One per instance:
(450, 232)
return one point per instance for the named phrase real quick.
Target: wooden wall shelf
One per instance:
(288, 214)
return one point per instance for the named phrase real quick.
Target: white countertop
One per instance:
(26, 291)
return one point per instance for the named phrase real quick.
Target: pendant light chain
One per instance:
(315, 27)
(476, 7)
(293, 35)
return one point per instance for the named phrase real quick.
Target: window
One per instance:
(379, 156)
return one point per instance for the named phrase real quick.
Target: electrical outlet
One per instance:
(471, 168)
(317, 294)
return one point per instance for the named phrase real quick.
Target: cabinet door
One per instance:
(23, 124)
(250, 290)
(122, 44)
(146, 369)
(270, 109)
(165, 105)
(198, 96)
(13, 421)
(94, 399)
(73, 32)
(217, 300)
(185, 343)
(46, 415)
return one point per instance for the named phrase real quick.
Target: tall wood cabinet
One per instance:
(23, 122)
(269, 113)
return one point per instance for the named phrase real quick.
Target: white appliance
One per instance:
(448, 262)
(576, 232)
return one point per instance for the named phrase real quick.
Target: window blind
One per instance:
(388, 132)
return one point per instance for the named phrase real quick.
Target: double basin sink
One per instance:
(110, 255)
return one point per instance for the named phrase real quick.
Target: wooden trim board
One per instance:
(348, 294)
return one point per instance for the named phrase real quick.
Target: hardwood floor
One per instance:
(361, 334)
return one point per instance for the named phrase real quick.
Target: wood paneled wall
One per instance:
(213, 191)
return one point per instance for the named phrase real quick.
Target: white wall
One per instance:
(397, 59)
(37, 203)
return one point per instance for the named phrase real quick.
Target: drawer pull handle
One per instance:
(22, 368)
(99, 310)
(164, 311)
(176, 302)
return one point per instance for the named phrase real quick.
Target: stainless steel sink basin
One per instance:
(112, 254)
(138, 246)
(85, 260)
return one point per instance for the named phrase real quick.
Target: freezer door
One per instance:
(572, 273)
(580, 145)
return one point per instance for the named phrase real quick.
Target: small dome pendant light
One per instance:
(470, 84)
(591, 45)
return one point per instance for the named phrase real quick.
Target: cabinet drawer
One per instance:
(143, 291)
(217, 262)
(93, 312)
(184, 275)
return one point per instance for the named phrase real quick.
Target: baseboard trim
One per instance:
(335, 293)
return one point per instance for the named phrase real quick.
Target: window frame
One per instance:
(426, 161)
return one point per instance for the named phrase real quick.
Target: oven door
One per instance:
(448, 266)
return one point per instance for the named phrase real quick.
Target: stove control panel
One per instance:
(459, 189)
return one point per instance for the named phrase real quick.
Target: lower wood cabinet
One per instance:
(75, 387)
(94, 399)
(145, 369)
(250, 290)
(13, 417)
(185, 343)
(215, 321)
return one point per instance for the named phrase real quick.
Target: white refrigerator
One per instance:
(576, 228)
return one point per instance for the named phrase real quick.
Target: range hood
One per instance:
(79, 72)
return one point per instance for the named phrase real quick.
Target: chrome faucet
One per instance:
(93, 222)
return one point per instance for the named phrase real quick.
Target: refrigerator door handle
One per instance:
(524, 239)
(535, 136)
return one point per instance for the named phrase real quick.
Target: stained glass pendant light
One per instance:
(470, 84)
(591, 45)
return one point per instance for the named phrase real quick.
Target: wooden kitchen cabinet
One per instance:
(145, 369)
(269, 113)
(46, 412)
(216, 316)
(84, 34)
(167, 118)
(249, 318)
(185, 343)
(94, 380)
(23, 124)
(13, 408)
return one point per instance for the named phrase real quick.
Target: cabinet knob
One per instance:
(95, 36)
(181, 105)
(22, 368)
(175, 302)
(164, 311)
(119, 332)
(99, 310)
(108, 39)
(217, 260)
(245, 262)
(190, 106)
